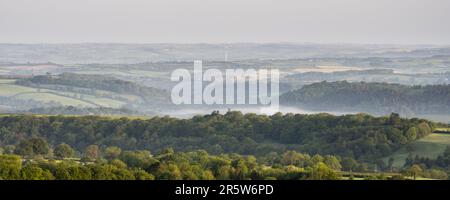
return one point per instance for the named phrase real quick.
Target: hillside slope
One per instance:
(430, 146)
(374, 98)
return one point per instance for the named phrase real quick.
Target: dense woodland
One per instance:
(215, 146)
(378, 98)
(39, 161)
(362, 137)
(112, 163)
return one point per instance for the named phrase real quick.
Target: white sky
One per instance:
(224, 21)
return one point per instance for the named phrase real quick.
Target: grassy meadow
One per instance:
(430, 146)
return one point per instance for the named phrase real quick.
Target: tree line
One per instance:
(111, 163)
(362, 137)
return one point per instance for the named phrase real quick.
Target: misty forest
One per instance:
(104, 112)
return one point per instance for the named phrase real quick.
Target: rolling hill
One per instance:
(374, 98)
(430, 146)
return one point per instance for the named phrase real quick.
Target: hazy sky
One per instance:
(225, 21)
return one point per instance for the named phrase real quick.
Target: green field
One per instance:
(152, 74)
(11, 90)
(105, 102)
(49, 97)
(133, 73)
(62, 97)
(7, 81)
(90, 99)
(109, 72)
(430, 146)
(443, 129)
